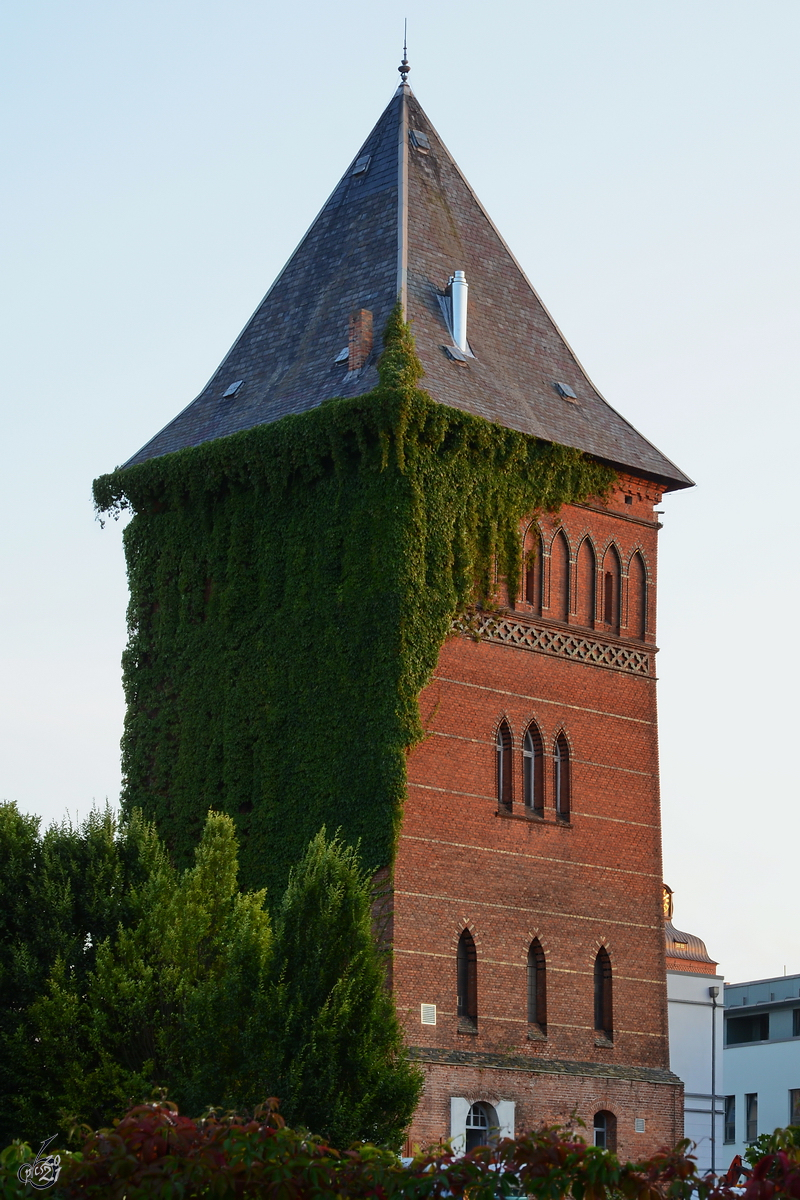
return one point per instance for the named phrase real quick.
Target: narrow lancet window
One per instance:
(503, 748)
(533, 571)
(559, 578)
(586, 580)
(532, 771)
(603, 1015)
(611, 589)
(537, 987)
(467, 979)
(637, 598)
(562, 784)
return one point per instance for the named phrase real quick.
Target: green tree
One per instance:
(61, 895)
(335, 1048)
(131, 976)
(168, 1002)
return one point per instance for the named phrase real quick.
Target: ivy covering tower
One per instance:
(291, 587)
(404, 613)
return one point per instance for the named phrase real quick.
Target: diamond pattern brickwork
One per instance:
(564, 644)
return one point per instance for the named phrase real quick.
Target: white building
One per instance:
(761, 1059)
(695, 1008)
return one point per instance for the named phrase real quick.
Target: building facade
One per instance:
(526, 884)
(695, 1003)
(762, 1059)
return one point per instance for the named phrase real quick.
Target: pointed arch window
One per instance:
(586, 580)
(533, 771)
(537, 987)
(503, 752)
(603, 1009)
(559, 577)
(562, 782)
(534, 554)
(612, 573)
(467, 981)
(637, 597)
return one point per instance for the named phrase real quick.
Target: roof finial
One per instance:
(404, 68)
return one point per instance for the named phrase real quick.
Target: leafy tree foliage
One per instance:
(336, 1048)
(61, 895)
(122, 975)
(154, 1152)
(165, 1001)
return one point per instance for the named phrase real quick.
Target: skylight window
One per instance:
(362, 165)
(565, 391)
(233, 389)
(419, 140)
(343, 355)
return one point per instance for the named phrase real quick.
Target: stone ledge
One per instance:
(540, 1066)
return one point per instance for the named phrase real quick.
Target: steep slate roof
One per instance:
(402, 229)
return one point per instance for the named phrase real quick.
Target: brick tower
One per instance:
(526, 872)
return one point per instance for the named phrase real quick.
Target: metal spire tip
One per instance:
(404, 68)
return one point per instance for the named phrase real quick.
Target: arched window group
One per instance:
(536, 988)
(533, 772)
(597, 585)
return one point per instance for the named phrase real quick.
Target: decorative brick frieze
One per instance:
(526, 635)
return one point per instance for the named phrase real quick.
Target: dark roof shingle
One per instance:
(349, 259)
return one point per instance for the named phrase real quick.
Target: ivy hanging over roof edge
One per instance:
(291, 589)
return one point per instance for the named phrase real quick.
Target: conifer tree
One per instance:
(61, 894)
(142, 977)
(166, 1003)
(336, 1057)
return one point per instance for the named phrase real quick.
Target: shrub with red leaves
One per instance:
(154, 1153)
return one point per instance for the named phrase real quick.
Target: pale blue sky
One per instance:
(161, 162)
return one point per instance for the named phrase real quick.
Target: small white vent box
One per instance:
(427, 1014)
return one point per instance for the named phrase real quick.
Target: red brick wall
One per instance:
(562, 1098)
(510, 878)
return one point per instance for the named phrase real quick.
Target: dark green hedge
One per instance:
(291, 587)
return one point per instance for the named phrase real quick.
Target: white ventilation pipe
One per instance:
(459, 290)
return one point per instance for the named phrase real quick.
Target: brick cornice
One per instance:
(540, 1066)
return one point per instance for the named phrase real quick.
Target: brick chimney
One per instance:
(360, 339)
